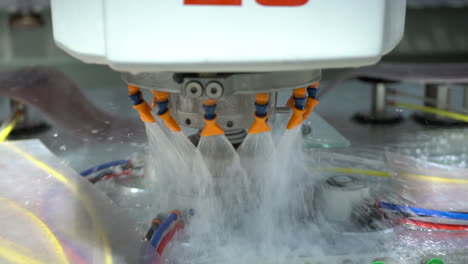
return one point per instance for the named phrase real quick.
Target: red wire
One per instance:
(165, 241)
(156, 259)
(73, 255)
(437, 226)
(113, 175)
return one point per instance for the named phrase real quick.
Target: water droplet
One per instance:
(63, 147)
(134, 190)
(55, 135)
(94, 131)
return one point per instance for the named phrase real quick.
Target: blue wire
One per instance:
(103, 166)
(162, 228)
(424, 212)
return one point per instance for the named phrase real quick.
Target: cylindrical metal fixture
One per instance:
(440, 95)
(338, 196)
(379, 100)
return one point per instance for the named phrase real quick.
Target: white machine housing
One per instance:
(228, 35)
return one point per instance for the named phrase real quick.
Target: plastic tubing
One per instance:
(167, 239)
(366, 172)
(103, 166)
(9, 125)
(85, 201)
(432, 110)
(162, 228)
(14, 253)
(429, 225)
(355, 159)
(378, 173)
(423, 212)
(48, 235)
(400, 93)
(395, 92)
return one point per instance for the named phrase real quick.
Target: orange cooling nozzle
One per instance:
(300, 92)
(314, 85)
(212, 127)
(310, 105)
(209, 102)
(144, 110)
(159, 97)
(290, 102)
(259, 125)
(132, 89)
(296, 119)
(312, 100)
(298, 99)
(170, 122)
(262, 98)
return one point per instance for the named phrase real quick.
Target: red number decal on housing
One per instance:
(213, 2)
(282, 2)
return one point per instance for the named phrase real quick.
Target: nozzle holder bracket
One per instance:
(236, 104)
(230, 83)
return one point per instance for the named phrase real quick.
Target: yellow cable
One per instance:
(10, 125)
(435, 179)
(48, 233)
(375, 173)
(6, 243)
(15, 253)
(86, 201)
(384, 174)
(432, 110)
